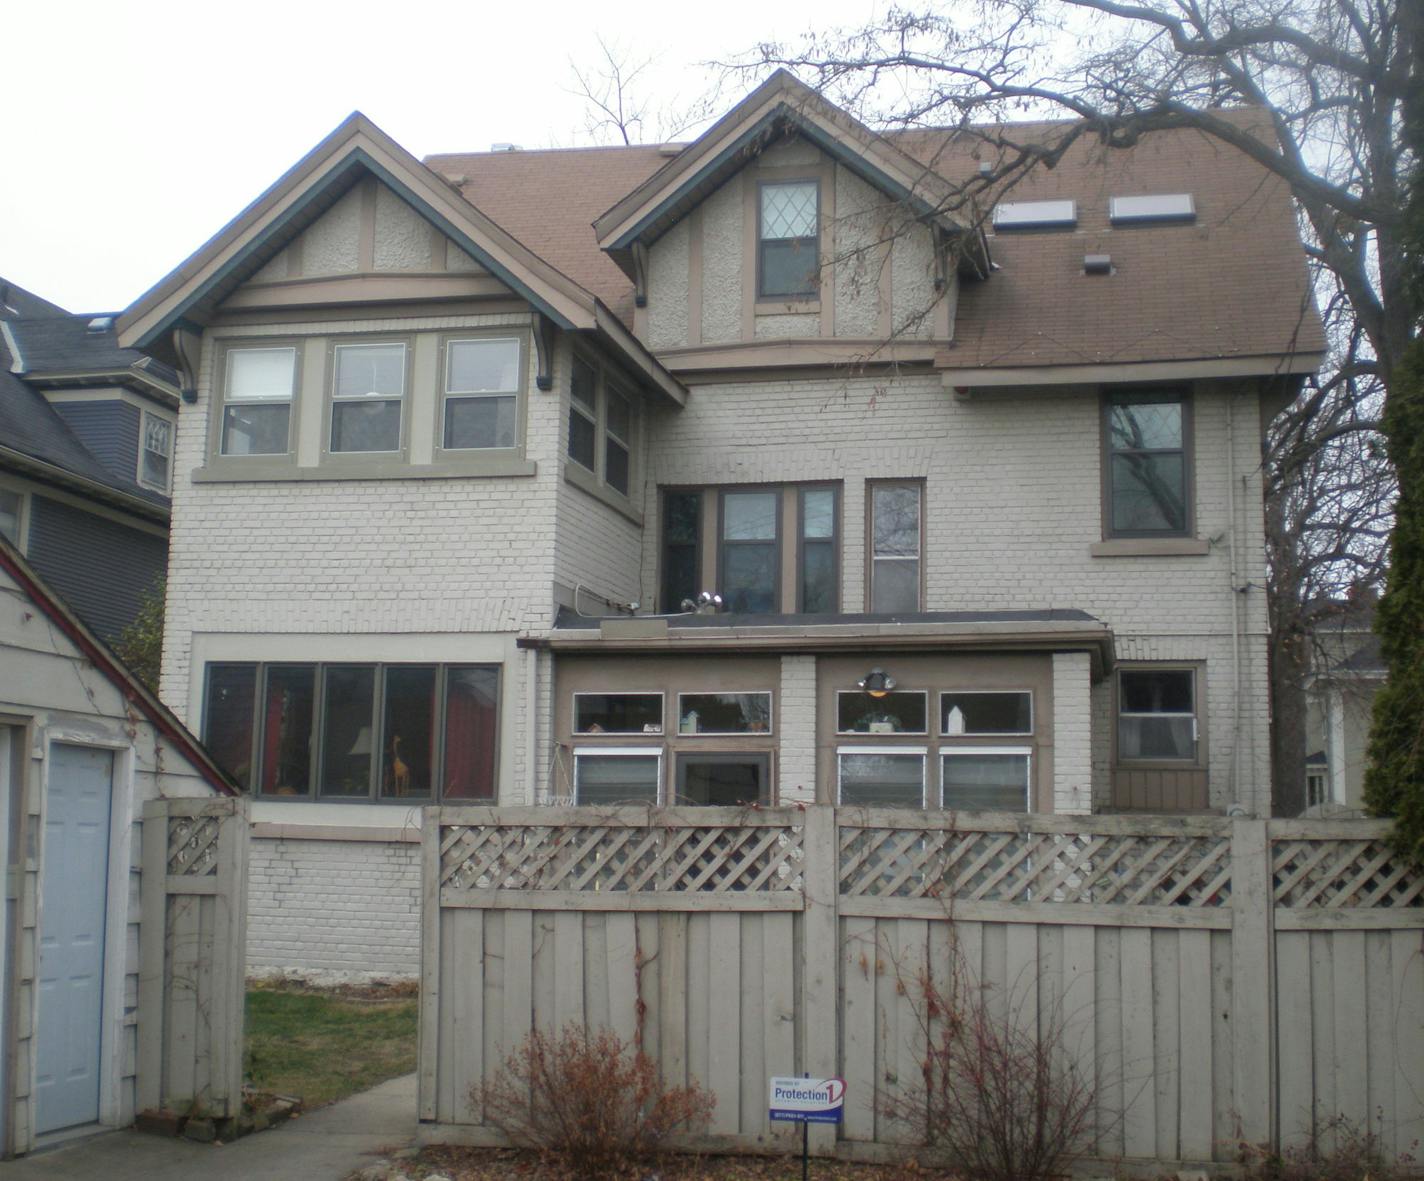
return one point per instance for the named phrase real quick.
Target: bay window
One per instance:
(603, 424)
(155, 460)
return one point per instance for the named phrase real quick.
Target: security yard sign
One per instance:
(808, 1100)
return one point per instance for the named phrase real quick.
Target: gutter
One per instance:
(133, 690)
(62, 477)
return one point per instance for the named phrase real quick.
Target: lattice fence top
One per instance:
(1336, 874)
(595, 857)
(193, 845)
(1096, 868)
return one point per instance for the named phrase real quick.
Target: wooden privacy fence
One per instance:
(1215, 978)
(192, 953)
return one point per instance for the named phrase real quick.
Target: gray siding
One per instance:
(100, 567)
(109, 429)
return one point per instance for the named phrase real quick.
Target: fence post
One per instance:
(429, 1050)
(822, 949)
(1253, 1016)
(229, 970)
(152, 936)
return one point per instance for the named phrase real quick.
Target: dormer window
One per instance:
(788, 240)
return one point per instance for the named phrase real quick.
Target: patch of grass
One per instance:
(322, 1046)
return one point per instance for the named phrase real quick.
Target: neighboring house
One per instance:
(83, 745)
(1347, 670)
(86, 446)
(471, 437)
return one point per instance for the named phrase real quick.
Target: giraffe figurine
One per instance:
(400, 769)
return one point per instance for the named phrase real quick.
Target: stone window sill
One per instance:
(1150, 547)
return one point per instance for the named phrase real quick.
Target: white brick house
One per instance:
(463, 438)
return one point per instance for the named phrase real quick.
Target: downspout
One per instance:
(531, 724)
(1235, 808)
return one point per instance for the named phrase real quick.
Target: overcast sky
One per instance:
(134, 131)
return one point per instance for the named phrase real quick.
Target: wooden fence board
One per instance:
(1194, 1042)
(1297, 1085)
(1166, 1033)
(619, 973)
(1324, 1101)
(1407, 972)
(753, 1030)
(723, 1075)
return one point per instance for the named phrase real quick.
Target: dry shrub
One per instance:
(1342, 1150)
(1001, 1099)
(591, 1106)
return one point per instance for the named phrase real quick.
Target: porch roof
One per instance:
(1050, 630)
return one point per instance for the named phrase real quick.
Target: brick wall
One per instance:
(334, 909)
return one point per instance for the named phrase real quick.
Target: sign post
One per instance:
(807, 1101)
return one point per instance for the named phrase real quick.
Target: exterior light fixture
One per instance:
(877, 682)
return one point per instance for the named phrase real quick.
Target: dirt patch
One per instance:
(500, 1164)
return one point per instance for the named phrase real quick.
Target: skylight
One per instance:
(1152, 207)
(1035, 215)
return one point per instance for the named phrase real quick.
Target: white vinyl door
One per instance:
(73, 903)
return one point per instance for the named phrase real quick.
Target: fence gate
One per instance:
(192, 955)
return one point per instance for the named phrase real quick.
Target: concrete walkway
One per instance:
(323, 1146)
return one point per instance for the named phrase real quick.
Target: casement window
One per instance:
(897, 712)
(155, 461)
(896, 528)
(603, 422)
(723, 779)
(258, 387)
(367, 397)
(987, 779)
(881, 776)
(1157, 715)
(818, 552)
(682, 546)
(788, 240)
(617, 775)
(986, 713)
(12, 504)
(355, 731)
(750, 553)
(480, 407)
(618, 713)
(1146, 478)
(724, 713)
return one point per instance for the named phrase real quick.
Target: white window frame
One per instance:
(446, 393)
(925, 693)
(949, 752)
(582, 734)
(922, 751)
(143, 449)
(231, 350)
(770, 713)
(645, 752)
(1032, 716)
(334, 399)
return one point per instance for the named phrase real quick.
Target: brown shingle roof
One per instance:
(548, 200)
(1231, 284)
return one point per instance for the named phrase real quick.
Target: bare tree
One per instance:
(618, 109)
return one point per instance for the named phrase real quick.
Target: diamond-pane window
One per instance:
(788, 253)
(788, 211)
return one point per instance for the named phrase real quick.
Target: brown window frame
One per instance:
(1149, 395)
(870, 558)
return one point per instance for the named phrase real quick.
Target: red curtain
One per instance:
(271, 739)
(469, 736)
